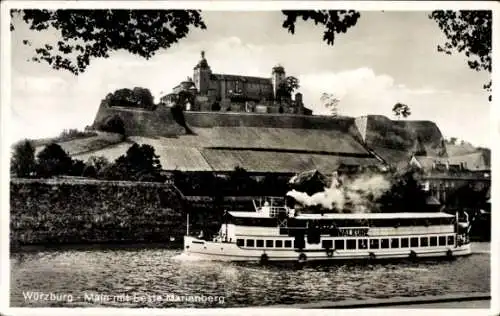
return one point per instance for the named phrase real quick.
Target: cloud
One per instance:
(38, 85)
(360, 91)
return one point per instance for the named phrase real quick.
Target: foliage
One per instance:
(113, 124)
(140, 32)
(330, 101)
(135, 98)
(467, 196)
(401, 110)
(53, 161)
(287, 87)
(406, 193)
(240, 181)
(140, 163)
(23, 159)
(77, 168)
(334, 21)
(468, 32)
(95, 165)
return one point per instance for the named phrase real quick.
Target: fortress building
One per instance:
(208, 91)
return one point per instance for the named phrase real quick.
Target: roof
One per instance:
(351, 215)
(375, 215)
(394, 157)
(309, 175)
(282, 162)
(473, 162)
(432, 201)
(187, 158)
(287, 139)
(248, 79)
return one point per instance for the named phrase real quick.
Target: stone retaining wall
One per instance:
(88, 211)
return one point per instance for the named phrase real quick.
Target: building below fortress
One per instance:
(206, 91)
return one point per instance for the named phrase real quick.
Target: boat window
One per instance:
(279, 244)
(394, 242)
(414, 241)
(424, 241)
(250, 242)
(373, 243)
(260, 243)
(442, 240)
(240, 242)
(288, 244)
(269, 243)
(433, 241)
(384, 243)
(339, 244)
(351, 244)
(404, 242)
(327, 244)
(362, 244)
(451, 240)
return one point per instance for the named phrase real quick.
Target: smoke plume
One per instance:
(352, 195)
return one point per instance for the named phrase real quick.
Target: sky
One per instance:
(387, 57)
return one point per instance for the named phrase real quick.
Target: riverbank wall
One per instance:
(68, 211)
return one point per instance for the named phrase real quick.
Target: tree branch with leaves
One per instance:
(467, 32)
(331, 102)
(86, 34)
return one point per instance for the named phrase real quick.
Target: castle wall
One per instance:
(159, 122)
(381, 132)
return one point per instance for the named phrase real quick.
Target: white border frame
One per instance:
(239, 6)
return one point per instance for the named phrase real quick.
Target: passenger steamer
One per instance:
(275, 233)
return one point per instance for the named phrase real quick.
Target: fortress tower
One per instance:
(201, 75)
(278, 76)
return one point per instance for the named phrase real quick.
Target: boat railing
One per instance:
(275, 211)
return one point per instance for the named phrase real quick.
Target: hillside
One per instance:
(281, 143)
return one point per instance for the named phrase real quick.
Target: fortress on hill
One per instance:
(210, 91)
(233, 121)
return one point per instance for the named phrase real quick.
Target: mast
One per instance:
(225, 219)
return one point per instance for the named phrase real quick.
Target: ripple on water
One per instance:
(160, 272)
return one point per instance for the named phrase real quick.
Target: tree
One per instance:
(140, 163)
(77, 168)
(135, 98)
(98, 162)
(287, 87)
(23, 159)
(240, 182)
(330, 101)
(406, 193)
(140, 32)
(95, 165)
(53, 161)
(401, 110)
(467, 32)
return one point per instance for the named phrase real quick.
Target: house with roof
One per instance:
(442, 175)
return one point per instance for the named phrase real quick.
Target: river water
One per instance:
(148, 277)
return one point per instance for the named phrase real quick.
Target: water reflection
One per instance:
(159, 272)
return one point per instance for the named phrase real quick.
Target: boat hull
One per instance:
(221, 251)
